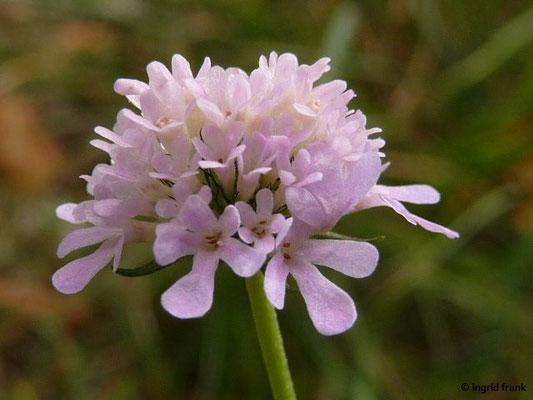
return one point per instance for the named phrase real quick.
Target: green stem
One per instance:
(270, 340)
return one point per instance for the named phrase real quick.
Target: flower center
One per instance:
(285, 251)
(211, 241)
(163, 121)
(260, 230)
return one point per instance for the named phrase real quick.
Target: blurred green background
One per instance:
(451, 84)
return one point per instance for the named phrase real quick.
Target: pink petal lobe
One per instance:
(243, 260)
(172, 242)
(265, 244)
(416, 220)
(247, 213)
(74, 276)
(246, 235)
(192, 295)
(82, 238)
(330, 308)
(167, 208)
(355, 259)
(181, 69)
(196, 214)
(236, 152)
(436, 228)
(66, 213)
(158, 74)
(211, 111)
(277, 223)
(265, 203)
(230, 220)
(275, 280)
(416, 194)
(365, 175)
(117, 256)
(127, 87)
(206, 164)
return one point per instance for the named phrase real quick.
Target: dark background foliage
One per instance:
(450, 82)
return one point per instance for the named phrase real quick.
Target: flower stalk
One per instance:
(270, 340)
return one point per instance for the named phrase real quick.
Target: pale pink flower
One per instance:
(253, 163)
(330, 308)
(260, 226)
(322, 202)
(113, 232)
(198, 231)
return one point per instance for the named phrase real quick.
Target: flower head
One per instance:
(243, 168)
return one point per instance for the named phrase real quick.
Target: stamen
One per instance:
(161, 122)
(213, 239)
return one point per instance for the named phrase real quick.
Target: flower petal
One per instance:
(275, 280)
(210, 164)
(117, 256)
(230, 220)
(330, 308)
(173, 241)
(352, 258)
(416, 194)
(203, 149)
(192, 295)
(311, 178)
(265, 244)
(236, 152)
(282, 233)
(181, 69)
(66, 213)
(416, 220)
(277, 223)
(243, 260)
(196, 215)
(74, 276)
(84, 237)
(305, 110)
(167, 208)
(248, 217)
(158, 75)
(211, 111)
(246, 235)
(363, 176)
(127, 87)
(265, 203)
